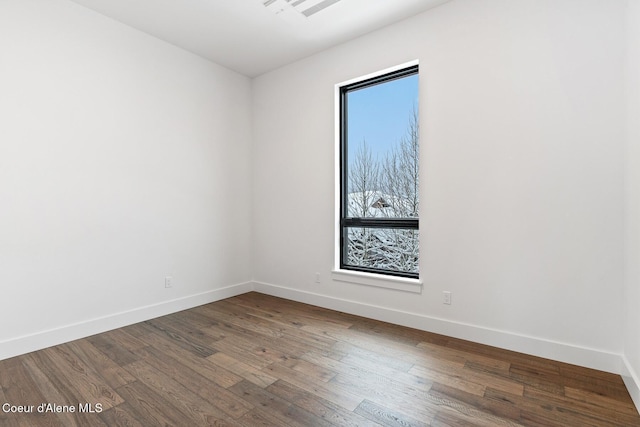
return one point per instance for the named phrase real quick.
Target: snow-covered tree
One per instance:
(386, 188)
(363, 179)
(401, 172)
(364, 173)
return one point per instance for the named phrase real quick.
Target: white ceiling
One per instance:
(256, 36)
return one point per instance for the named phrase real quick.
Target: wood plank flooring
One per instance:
(256, 360)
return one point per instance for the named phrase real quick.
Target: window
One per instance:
(379, 174)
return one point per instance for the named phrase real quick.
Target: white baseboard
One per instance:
(48, 338)
(632, 381)
(581, 356)
(591, 358)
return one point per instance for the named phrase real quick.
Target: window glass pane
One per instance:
(383, 248)
(383, 150)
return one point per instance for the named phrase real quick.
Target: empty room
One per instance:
(320, 212)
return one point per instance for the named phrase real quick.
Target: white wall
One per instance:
(522, 117)
(632, 206)
(122, 160)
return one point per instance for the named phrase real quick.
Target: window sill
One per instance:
(378, 280)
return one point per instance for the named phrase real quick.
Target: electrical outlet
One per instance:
(317, 277)
(446, 297)
(168, 282)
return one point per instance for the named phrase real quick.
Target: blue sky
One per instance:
(380, 114)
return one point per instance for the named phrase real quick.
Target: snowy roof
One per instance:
(376, 204)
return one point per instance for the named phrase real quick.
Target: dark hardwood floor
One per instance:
(255, 360)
